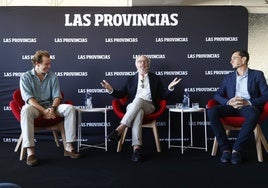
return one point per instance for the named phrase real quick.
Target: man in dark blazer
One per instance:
(242, 93)
(142, 91)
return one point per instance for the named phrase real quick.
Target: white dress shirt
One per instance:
(242, 86)
(143, 89)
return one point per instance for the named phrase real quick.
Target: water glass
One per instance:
(195, 105)
(179, 105)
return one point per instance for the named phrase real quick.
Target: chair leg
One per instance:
(215, 147)
(62, 131)
(122, 139)
(22, 150)
(155, 133)
(22, 153)
(56, 137)
(227, 132)
(263, 139)
(18, 143)
(156, 137)
(258, 144)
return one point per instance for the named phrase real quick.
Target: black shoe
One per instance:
(113, 136)
(236, 158)
(225, 157)
(136, 156)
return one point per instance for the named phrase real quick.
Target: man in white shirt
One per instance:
(142, 91)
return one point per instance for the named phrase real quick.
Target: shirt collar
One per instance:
(245, 74)
(33, 73)
(145, 75)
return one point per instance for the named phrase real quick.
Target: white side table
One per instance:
(79, 128)
(182, 112)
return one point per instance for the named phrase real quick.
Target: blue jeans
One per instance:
(251, 115)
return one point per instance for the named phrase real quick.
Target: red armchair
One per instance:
(39, 123)
(235, 123)
(149, 120)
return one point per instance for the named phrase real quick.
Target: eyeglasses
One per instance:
(142, 84)
(142, 61)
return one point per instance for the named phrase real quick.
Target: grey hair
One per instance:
(147, 58)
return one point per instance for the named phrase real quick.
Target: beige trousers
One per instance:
(134, 116)
(29, 113)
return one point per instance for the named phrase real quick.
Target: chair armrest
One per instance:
(211, 103)
(17, 98)
(159, 112)
(117, 108)
(264, 114)
(265, 108)
(15, 108)
(68, 102)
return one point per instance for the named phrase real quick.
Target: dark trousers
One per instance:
(251, 115)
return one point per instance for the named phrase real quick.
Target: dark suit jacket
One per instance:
(130, 88)
(257, 88)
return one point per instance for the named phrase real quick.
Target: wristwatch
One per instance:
(54, 108)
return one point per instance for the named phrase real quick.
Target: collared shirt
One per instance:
(143, 89)
(242, 86)
(44, 91)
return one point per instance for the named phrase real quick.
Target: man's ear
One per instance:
(244, 60)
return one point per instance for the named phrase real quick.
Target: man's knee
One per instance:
(27, 111)
(137, 102)
(68, 108)
(255, 110)
(252, 113)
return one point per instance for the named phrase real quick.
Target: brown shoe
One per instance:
(31, 160)
(73, 154)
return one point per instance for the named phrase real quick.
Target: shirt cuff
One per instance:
(171, 89)
(110, 92)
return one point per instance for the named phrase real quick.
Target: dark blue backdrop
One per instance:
(194, 43)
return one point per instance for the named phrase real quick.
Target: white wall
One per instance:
(65, 2)
(254, 6)
(258, 42)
